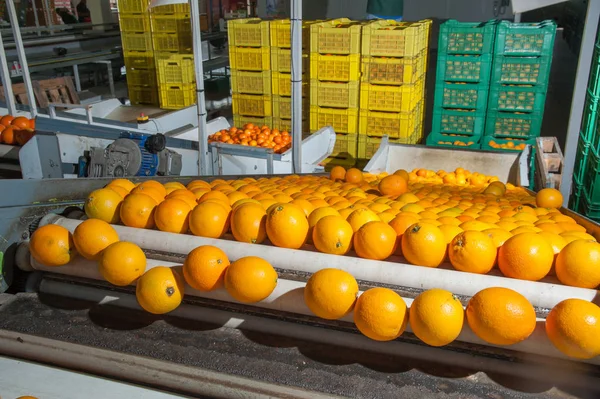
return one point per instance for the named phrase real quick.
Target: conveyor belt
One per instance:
(290, 362)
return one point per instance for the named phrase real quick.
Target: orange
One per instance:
(402, 173)
(248, 223)
(160, 290)
(408, 198)
(215, 195)
(449, 220)
(526, 256)
(331, 293)
(172, 215)
(569, 227)
(6, 120)
(8, 135)
(360, 217)
(579, 235)
(122, 263)
(578, 264)
(137, 210)
(211, 219)
(380, 314)
(181, 192)
(332, 235)
(354, 175)
(385, 217)
(123, 183)
(550, 227)
(250, 279)
(556, 242)
(52, 245)
(573, 327)
(549, 198)
(498, 236)
(436, 317)
(472, 251)
(194, 184)
(375, 240)
(393, 185)
(119, 190)
(501, 316)
(337, 173)
(306, 206)
(450, 231)
(204, 268)
(104, 204)
(150, 191)
(174, 184)
(287, 226)
(155, 186)
(424, 245)
(320, 213)
(92, 236)
(475, 225)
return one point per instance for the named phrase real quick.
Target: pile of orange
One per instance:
(16, 131)
(517, 145)
(255, 136)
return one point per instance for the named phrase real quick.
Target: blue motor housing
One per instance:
(148, 160)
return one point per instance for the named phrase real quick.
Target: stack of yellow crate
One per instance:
(174, 56)
(138, 53)
(250, 62)
(281, 73)
(334, 92)
(392, 91)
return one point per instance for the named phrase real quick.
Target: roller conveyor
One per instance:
(275, 341)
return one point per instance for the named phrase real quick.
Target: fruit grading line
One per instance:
(274, 348)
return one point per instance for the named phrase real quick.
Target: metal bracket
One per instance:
(219, 149)
(88, 109)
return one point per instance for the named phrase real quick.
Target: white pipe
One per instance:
(6, 81)
(22, 58)
(296, 52)
(203, 159)
(540, 294)
(288, 296)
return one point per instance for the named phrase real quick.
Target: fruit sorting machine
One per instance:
(275, 348)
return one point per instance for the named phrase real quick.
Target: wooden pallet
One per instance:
(549, 163)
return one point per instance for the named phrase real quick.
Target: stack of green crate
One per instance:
(392, 87)
(585, 188)
(281, 74)
(138, 52)
(250, 61)
(174, 56)
(335, 48)
(462, 83)
(520, 74)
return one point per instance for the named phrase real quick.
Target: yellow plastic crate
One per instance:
(177, 96)
(143, 95)
(281, 60)
(248, 32)
(399, 125)
(391, 98)
(337, 36)
(286, 124)
(335, 68)
(342, 120)
(240, 120)
(136, 41)
(282, 107)
(392, 71)
(141, 77)
(250, 59)
(281, 33)
(134, 22)
(179, 23)
(345, 151)
(251, 82)
(252, 105)
(132, 6)
(139, 59)
(282, 84)
(173, 42)
(334, 94)
(171, 9)
(387, 38)
(177, 69)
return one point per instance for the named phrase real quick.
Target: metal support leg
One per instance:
(578, 102)
(48, 16)
(270, 161)
(22, 58)
(517, 17)
(111, 81)
(35, 17)
(6, 81)
(76, 76)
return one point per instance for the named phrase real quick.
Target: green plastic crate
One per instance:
(576, 196)
(513, 125)
(591, 178)
(588, 208)
(464, 68)
(521, 70)
(458, 121)
(589, 119)
(594, 80)
(453, 141)
(583, 150)
(512, 98)
(467, 37)
(525, 39)
(464, 96)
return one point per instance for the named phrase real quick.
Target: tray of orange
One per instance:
(16, 130)
(255, 136)
(444, 255)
